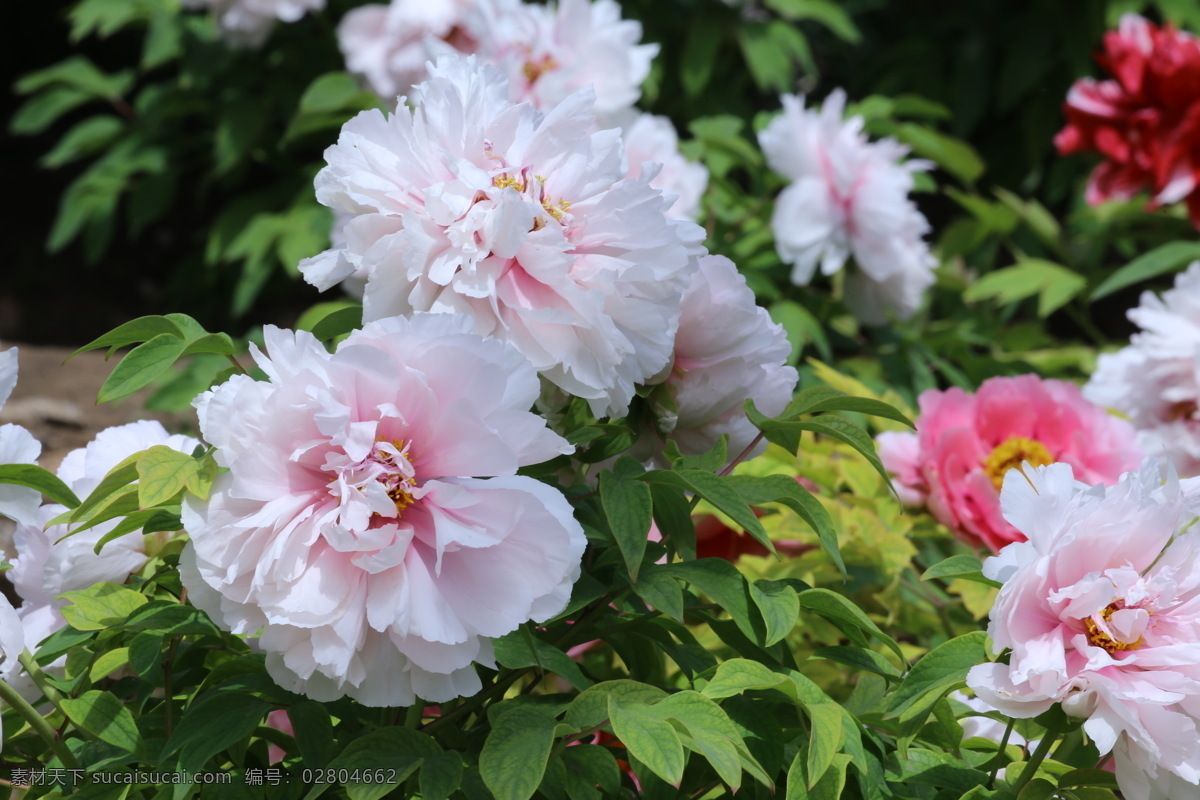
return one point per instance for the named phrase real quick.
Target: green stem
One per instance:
(1035, 760)
(1000, 751)
(39, 724)
(237, 364)
(412, 716)
(39, 678)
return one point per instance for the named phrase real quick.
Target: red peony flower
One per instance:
(1146, 121)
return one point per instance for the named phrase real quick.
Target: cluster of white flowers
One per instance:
(46, 561)
(848, 198)
(1155, 381)
(249, 22)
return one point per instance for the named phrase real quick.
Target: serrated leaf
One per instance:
(516, 752)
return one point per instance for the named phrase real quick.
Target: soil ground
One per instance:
(56, 402)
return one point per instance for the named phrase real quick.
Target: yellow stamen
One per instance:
(1011, 453)
(1100, 638)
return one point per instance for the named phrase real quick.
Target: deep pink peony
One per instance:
(956, 461)
(1146, 121)
(1100, 607)
(352, 532)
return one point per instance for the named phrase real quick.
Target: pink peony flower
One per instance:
(1100, 608)
(524, 223)
(1145, 121)
(349, 531)
(17, 446)
(1155, 381)
(727, 350)
(248, 23)
(848, 198)
(965, 444)
(388, 46)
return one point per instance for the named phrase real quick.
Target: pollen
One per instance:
(535, 69)
(1099, 634)
(1011, 453)
(508, 182)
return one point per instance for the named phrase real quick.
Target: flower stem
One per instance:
(38, 723)
(1000, 751)
(39, 678)
(1035, 760)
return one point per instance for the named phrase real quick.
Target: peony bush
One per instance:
(598, 399)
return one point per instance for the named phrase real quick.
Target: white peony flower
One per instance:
(45, 567)
(350, 533)
(17, 446)
(650, 138)
(526, 223)
(1155, 381)
(388, 46)
(848, 198)
(727, 350)
(249, 22)
(550, 51)
(12, 641)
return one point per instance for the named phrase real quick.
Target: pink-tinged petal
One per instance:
(349, 531)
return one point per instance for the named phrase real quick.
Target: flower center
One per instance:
(1011, 453)
(536, 68)
(1124, 633)
(535, 187)
(399, 477)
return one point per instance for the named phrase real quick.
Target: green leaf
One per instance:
(100, 606)
(660, 591)
(785, 489)
(938, 671)
(955, 156)
(699, 53)
(329, 320)
(107, 663)
(34, 477)
(145, 652)
(132, 332)
(313, 730)
(824, 739)
(648, 737)
(629, 508)
(113, 481)
(721, 581)
(102, 715)
(87, 138)
(712, 733)
(827, 786)
(779, 607)
(590, 708)
(720, 492)
(829, 14)
(79, 73)
(335, 91)
(441, 775)
(1159, 261)
(859, 658)
(966, 567)
(45, 108)
(212, 723)
(163, 472)
(516, 752)
(842, 612)
(522, 648)
(1054, 284)
(391, 749)
(142, 365)
(739, 675)
(801, 327)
